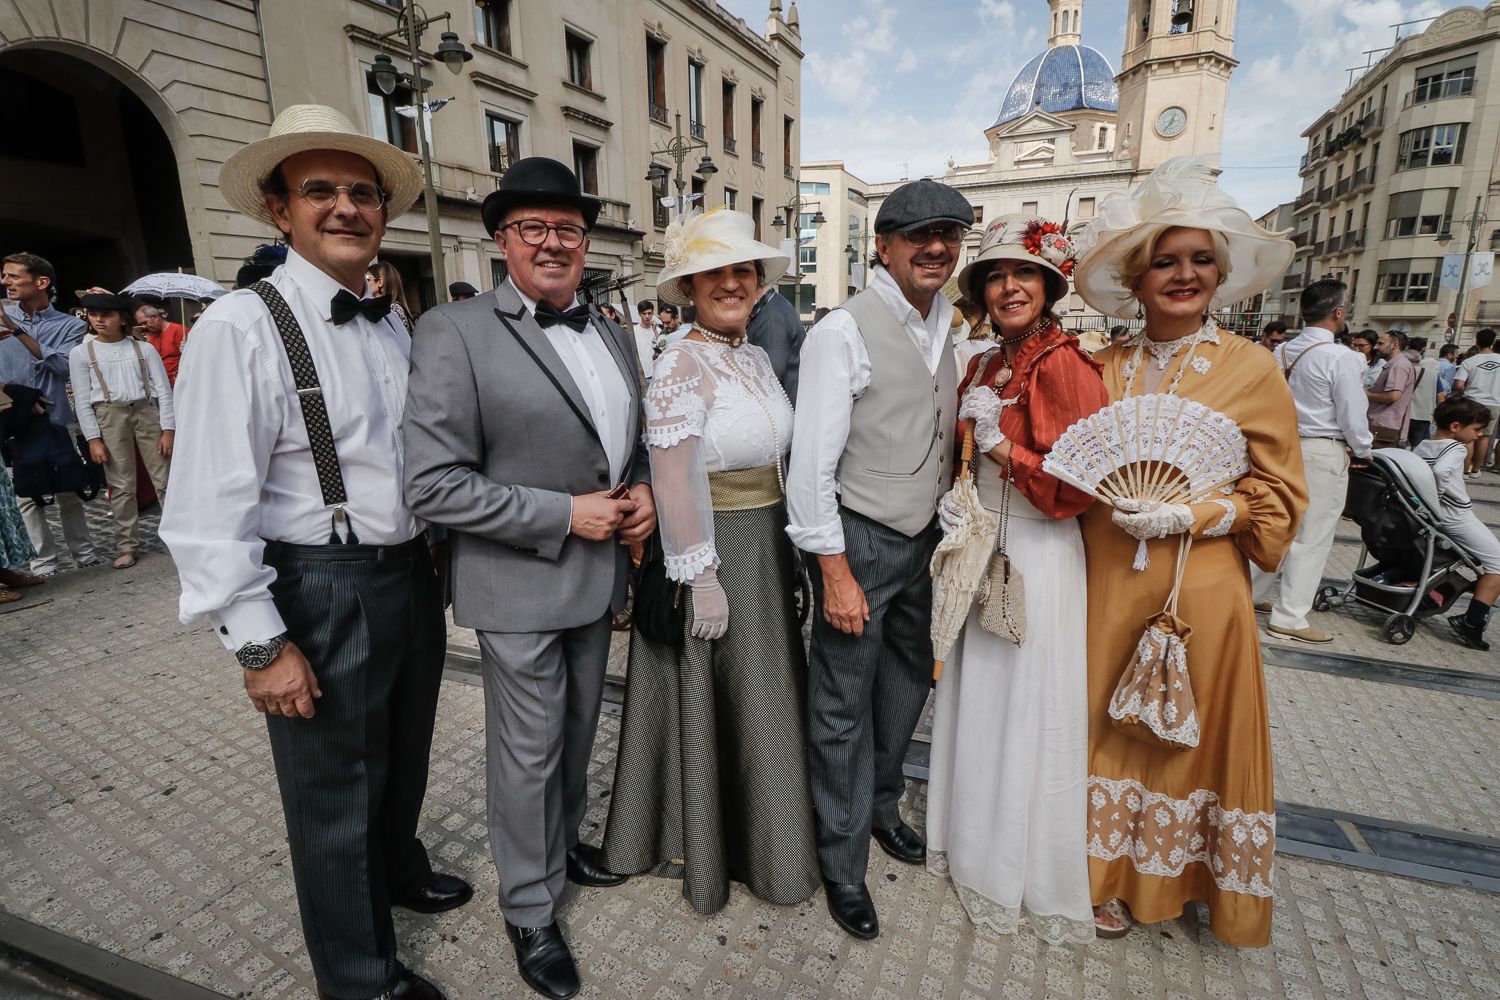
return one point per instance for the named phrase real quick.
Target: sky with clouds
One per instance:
(895, 87)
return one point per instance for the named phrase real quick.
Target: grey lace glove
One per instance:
(710, 606)
(981, 405)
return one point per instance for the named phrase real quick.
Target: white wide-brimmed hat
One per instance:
(299, 128)
(714, 239)
(1182, 193)
(1022, 237)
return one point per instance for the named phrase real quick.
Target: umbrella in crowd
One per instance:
(174, 285)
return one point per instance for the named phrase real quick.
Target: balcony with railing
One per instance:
(658, 112)
(1341, 189)
(697, 129)
(786, 168)
(1325, 195)
(1305, 199)
(1313, 155)
(1489, 311)
(1373, 122)
(1302, 239)
(1354, 241)
(730, 146)
(1292, 282)
(1363, 180)
(758, 157)
(1439, 90)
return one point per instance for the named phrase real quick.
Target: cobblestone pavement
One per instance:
(138, 812)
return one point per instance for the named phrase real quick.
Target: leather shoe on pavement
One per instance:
(1467, 634)
(902, 843)
(586, 867)
(851, 907)
(436, 894)
(413, 987)
(544, 960)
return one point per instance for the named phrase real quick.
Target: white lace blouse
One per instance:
(709, 408)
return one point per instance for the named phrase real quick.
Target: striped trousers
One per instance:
(866, 693)
(369, 620)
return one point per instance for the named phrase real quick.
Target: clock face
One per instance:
(1171, 122)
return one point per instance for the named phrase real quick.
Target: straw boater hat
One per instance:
(312, 126)
(1021, 237)
(1181, 192)
(713, 239)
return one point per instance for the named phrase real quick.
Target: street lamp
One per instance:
(1475, 222)
(679, 148)
(793, 211)
(411, 21)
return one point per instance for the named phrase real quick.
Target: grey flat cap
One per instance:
(921, 202)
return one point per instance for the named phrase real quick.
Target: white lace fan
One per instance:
(1151, 448)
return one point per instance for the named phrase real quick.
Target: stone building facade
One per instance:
(138, 102)
(1395, 171)
(832, 255)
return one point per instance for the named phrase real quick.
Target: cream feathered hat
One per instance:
(1180, 193)
(713, 239)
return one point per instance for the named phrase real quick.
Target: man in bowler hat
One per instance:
(871, 456)
(523, 437)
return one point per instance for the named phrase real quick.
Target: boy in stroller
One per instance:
(1456, 424)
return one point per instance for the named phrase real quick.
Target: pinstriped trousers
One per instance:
(866, 693)
(370, 621)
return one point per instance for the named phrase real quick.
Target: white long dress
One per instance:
(1006, 796)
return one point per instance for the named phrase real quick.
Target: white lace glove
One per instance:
(948, 513)
(710, 606)
(1143, 519)
(981, 405)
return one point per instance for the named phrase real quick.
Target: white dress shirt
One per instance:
(835, 372)
(605, 392)
(242, 468)
(1328, 388)
(122, 371)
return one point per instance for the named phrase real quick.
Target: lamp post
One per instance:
(679, 148)
(860, 254)
(789, 216)
(411, 21)
(1475, 221)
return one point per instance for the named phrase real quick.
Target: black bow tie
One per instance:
(346, 305)
(576, 318)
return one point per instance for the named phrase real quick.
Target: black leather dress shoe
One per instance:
(852, 908)
(543, 958)
(413, 987)
(902, 843)
(436, 894)
(586, 867)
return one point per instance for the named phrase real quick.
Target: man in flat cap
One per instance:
(523, 437)
(291, 537)
(871, 458)
(458, 291)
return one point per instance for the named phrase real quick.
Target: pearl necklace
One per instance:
(720, 338)
(1036, 328)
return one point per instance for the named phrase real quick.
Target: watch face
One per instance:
(1171, 122)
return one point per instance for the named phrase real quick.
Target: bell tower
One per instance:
(1066, 27)
(1174, 79)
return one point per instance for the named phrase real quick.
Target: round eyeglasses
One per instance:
(533, 232)
(322, 195)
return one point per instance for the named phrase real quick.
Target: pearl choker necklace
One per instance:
(1036, 328)
(719, 338)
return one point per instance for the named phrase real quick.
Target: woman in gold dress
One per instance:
(1168, 826)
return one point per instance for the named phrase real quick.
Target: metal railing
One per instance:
(1306, 198)
(1363, 178)
(1439, 90)
(658, 112)
(697, 129)
(786, 168)
(1292, 282)
(1302, 239)
(1342, 187)
(758, 157)
(1373, 121)
(1325, 195)
(730, 146)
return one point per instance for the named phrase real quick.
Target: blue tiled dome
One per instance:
(1064, 78)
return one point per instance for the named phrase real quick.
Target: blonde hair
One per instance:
(1137, 261)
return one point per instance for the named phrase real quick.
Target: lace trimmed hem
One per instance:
(682, 568)
(998, 918)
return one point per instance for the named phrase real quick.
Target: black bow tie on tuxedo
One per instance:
(346, 305)
(576, 318)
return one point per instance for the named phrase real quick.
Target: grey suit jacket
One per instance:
(498, 440)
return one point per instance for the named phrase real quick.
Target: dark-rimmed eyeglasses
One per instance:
(323, 195)
(533, 232)
(952, 234)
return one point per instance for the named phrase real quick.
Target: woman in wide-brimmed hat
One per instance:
(711, 777)
(1165, 825)
(1005, 800)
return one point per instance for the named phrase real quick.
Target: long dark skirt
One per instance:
(711, 777)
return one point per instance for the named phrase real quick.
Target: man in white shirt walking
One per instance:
(291, 536)
(871, 457)
(1332, 422)
(646, 334)
(1478, 379)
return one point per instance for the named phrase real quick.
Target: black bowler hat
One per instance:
(537, 180)
(106, 301)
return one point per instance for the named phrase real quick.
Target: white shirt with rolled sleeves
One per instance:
(242, 468)
(835, 371)
(1328, 387)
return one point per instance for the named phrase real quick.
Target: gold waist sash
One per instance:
(744, 489)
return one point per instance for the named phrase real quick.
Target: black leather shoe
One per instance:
(413, 987)
(1468, 634)
(544, 960)
(586, 867)
(436, 894)
(852, 908)
(902, 843)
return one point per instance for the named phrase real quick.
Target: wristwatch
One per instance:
(258, 655)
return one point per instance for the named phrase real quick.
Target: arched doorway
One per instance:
(90, 180)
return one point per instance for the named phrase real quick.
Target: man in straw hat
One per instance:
(871, 457)
(291, 537)
(523, 437)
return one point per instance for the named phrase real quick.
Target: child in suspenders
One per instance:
(124, 402)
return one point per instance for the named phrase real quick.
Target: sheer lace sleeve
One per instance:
(677, 407)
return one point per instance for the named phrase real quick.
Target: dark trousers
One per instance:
(865, 693)
(369, 620)
(1418, 431)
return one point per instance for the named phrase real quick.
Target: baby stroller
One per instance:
(1408, 567)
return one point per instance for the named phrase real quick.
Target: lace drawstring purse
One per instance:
(1002, 598)
(1154, 699)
